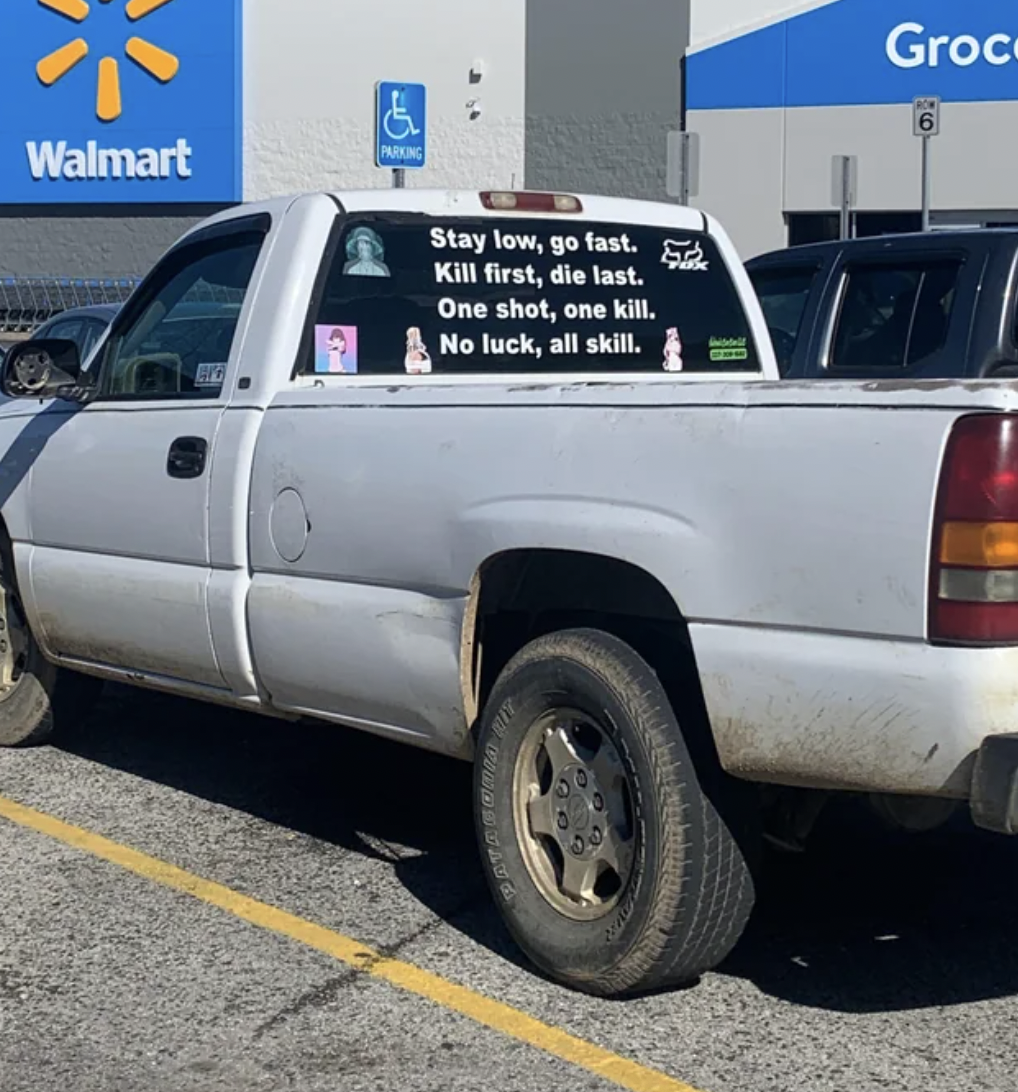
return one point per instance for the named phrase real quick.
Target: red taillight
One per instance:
(508, 201)
(974, 563)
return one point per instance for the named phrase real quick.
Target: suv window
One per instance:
(483, 296)
(784, 293)
(894, 316)
(178, 342)
(65, 330)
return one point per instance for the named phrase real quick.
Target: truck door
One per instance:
(119, 491)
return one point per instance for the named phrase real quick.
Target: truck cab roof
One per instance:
(468, 203)
(969, 238)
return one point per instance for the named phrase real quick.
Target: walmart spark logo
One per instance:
(158, 63)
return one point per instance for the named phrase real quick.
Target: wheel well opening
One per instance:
(524, 594)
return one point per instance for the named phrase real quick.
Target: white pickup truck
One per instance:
(512, 477)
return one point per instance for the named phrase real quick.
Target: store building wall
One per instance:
(66, 241)
(603, 88)
(572, 95)
(776, 92)
(309, 93)
(742, 158)
(304, 117)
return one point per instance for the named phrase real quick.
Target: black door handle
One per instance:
(187, 457)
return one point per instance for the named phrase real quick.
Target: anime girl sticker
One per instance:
(336, 350)
(673, 350)
(417, 360)
(365, 254)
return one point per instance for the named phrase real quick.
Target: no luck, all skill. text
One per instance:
(526, 345)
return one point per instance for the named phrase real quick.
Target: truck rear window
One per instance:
(473, 296)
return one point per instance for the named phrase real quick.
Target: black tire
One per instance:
(689, 892)
(45, 698)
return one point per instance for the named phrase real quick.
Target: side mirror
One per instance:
(48, 368)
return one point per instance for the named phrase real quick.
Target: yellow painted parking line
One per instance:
(493, 1014)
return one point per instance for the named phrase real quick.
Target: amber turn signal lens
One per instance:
(979, 545)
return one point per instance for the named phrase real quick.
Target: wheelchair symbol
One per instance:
(397, 123)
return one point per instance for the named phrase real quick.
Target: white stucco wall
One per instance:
(310, 73)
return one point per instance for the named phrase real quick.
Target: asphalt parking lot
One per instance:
(875, 962)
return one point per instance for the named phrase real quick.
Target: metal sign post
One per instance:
(925, 125)
(844, 187)
(401, 128)
(683, 174)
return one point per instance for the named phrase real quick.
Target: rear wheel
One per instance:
(614, 870)
(36, 697)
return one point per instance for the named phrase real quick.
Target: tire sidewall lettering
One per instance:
(487, 772)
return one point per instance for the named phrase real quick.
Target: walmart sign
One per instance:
(864, 52)
(121, 101)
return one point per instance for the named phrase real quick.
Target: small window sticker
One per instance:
(724, 350)
(417, 360)
(336, 350)
(210, 375)
(673, 350)
(684, 256)
(365, 254)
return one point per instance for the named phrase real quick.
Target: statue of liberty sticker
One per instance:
(365, 254)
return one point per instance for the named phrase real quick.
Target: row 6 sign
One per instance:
(926, 117)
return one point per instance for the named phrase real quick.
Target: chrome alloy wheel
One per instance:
(573, 812)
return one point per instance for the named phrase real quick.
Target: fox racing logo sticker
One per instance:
(685, 256)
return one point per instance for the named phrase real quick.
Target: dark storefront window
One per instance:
(823, 227)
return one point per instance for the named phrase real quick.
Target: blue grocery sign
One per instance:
(862, 53)
(129, 101)
(401, 125)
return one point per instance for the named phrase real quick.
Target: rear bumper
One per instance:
(994, 800)
(829, 711)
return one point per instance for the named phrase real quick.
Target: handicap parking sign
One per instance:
(401, 125)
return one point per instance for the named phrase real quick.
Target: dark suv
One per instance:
(927, 306)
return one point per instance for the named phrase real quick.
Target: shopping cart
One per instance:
(27, 302)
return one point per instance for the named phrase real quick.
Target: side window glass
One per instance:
(90, 335)
(933, 312)
(177, 341)
(894, 316)
(69, 330)
(784, 293)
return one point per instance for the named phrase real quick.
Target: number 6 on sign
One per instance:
(926, 117)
